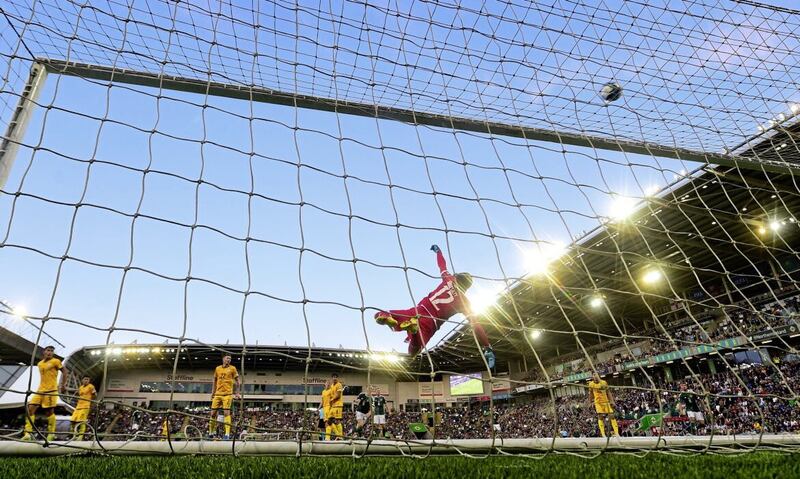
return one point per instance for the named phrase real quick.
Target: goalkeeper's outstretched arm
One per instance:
(440, 261)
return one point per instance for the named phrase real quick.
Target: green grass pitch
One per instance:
(746, 465)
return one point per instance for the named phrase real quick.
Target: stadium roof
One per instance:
(14, 349)
(18, 336)
(92, 360)
(717, 222)
(775, 143)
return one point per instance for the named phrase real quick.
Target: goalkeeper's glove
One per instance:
(489, 355)
(435, 248)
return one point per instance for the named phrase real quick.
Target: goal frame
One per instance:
(44, 66)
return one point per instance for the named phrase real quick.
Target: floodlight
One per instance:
(539, 258)
(622, 208)
(652, 276)
(596, 302)
(481, 299)
(19, 312)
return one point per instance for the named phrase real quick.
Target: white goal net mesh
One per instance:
(185, 180)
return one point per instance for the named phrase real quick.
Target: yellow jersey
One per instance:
(85, 393)
(224, 376)
(599, 392)
(326, 398)
(336, 388)
(48, 370)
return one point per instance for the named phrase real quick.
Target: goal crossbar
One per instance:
(265, 95)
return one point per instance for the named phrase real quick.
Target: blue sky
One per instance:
(89, 294)
(538, 75)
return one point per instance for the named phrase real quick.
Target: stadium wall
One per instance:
(138, 385)
(637, 349)
(148, 386)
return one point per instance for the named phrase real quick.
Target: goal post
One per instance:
(18, 123)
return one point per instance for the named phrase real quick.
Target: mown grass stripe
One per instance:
(750, 466)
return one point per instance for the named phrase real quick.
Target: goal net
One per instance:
(181, 181)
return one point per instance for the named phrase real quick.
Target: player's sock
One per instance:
(227, 425)
(411, 326)
(383, 318)
(340, 430)
(212, 426)
(614, 426)
(29, 424)
(51, 423)
(81, 431)
(602, 427)
(328, 432)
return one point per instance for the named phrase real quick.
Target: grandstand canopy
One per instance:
(17, 340)
(14, 349)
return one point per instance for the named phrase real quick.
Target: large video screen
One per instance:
(466, 385)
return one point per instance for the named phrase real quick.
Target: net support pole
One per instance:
(266, 95)
(15, 131)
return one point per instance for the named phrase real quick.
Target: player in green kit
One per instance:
(363, 408)
(689, 405)
(379, 413)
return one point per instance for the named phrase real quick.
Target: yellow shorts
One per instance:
(327, 413)
(335, 412)
(45, 399)
(80, 415)
(603, 408)
(222, 402)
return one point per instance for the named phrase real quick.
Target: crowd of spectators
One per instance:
(733, 322)
(748, 399)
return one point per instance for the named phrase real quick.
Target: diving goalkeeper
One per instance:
(422, 321)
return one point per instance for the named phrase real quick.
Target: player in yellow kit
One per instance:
(337, 401)
(223, 391)
(86, 394)
(603, 404)
(164, 430)
(325, 405)
(46, 396)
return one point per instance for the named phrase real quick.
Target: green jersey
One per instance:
(379, 405)
(690, 400)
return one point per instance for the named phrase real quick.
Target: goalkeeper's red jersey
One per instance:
(444, 301)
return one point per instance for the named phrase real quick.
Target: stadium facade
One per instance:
(272, 378)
